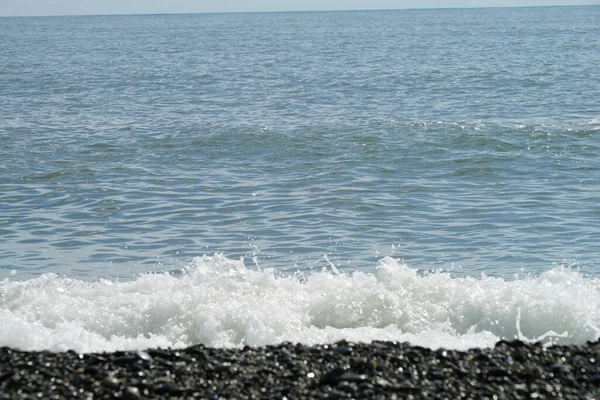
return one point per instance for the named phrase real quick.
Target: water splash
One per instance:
(220, 302)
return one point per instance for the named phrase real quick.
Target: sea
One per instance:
(247, 179)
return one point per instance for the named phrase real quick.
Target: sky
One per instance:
(91, 7)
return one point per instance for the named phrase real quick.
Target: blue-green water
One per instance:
(342, 155)
(463, 139)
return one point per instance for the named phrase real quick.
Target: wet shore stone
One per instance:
(379, 370)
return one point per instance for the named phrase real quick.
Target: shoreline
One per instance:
(510, 370)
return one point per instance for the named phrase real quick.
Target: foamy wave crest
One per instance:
(219, 302)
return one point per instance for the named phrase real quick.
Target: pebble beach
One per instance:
(343, 370)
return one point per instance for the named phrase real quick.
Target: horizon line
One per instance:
(291, 11)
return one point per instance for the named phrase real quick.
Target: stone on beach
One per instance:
(510, 370)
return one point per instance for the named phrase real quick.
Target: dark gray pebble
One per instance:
(131, 392)
(510, 370)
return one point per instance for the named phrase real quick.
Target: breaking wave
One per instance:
(220, 302)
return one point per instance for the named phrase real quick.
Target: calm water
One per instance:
(463, 140)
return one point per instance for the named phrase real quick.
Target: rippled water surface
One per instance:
(460, 139)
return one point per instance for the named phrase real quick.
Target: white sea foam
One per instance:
(219, 302)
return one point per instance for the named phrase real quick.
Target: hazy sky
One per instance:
(70, 7)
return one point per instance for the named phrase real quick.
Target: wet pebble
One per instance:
(510, 370)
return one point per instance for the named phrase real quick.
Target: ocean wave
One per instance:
(220, 302)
